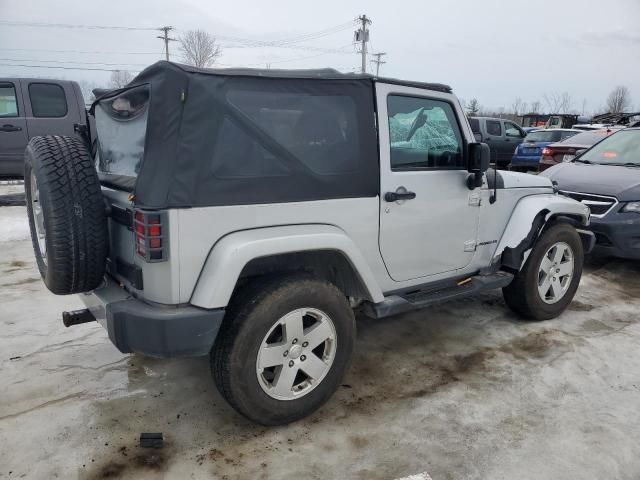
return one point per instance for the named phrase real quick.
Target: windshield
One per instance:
(620, 148)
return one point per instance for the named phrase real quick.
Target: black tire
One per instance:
(73, 213)
(522, 294)
(251, 315)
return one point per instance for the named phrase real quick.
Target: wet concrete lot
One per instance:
(461, 391)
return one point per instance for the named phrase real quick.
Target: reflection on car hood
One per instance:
(522, 180)
(620, 182)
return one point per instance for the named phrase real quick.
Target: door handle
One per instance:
(395, 196)
(10, 128)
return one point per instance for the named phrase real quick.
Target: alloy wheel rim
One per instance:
(38, 218)
(296, 354)
(555, 273)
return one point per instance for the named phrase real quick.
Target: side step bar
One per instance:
(76, 317)
(396, 304)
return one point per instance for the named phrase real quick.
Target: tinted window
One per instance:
(475, 125)
(623, 147)
(8, 103)
(494, 128)
(542, 136)
(511, 129)
(237, 155)
(586, 138)
(47, 100)
(319, 130)
(423, 133)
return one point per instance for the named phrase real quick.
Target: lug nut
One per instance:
(291, 363)
(303, 358)
(304, 344)
(285, 353)
(295, 340)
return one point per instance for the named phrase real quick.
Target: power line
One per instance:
(77, 51)
(69, 25)
(60, 67)
(72, 61)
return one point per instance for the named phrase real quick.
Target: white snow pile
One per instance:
(14, 225)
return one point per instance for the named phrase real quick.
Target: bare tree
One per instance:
(619, 99)
(199, 48)
(86, 87)
(558, 102)
(120, 78)
(518, 107)
(535, 107)
(473, 107)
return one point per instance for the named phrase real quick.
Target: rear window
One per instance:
(8, 103)
(542, 136)
(586, 138)
(47, 100)
(121, 123)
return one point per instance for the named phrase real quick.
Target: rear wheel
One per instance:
(66, 213)
(283, 349)
(549, 279)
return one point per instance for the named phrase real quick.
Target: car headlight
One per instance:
(632, 207)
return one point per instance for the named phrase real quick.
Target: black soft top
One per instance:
(250, 136)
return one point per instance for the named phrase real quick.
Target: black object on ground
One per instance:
(151, 440)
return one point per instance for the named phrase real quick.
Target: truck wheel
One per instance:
(66, 214)
(550, 277)
(283, 348)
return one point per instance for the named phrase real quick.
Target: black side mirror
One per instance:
(478, 161)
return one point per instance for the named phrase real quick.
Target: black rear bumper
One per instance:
(153, 330)
(134, 326)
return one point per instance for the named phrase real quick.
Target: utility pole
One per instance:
(165, 36)
(362, 36)
(378, 61)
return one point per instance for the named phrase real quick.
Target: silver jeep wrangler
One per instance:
(245, 214)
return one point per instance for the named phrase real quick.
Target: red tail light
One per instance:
(547, 152)
(150, 241)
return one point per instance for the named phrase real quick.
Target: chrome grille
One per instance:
(599, 205)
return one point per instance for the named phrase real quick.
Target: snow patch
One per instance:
(14, 225)
(417, 476)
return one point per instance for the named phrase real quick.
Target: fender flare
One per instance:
(231, 253)
(528, 219)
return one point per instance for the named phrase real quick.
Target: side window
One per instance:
(494, 128)
(475, 125)
(321, 130)
(47, 100)
(511, 129)
(8, 101)
(423, 134)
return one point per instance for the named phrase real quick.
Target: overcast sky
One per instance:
(493, 50)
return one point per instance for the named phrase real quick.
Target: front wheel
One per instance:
(549, 279)
(283, 348)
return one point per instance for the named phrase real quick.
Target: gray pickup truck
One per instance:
(502, 136)
(30, 107)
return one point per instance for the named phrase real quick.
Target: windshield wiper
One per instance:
(582, 161)
(627, 164)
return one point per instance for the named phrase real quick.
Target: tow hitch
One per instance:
(76, 317)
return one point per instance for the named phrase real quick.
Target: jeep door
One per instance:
(13, 130)
(428, 216)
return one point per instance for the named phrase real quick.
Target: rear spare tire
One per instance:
(66, 214)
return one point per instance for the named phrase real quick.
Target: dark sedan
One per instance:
(566, 150)
(607, 179)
